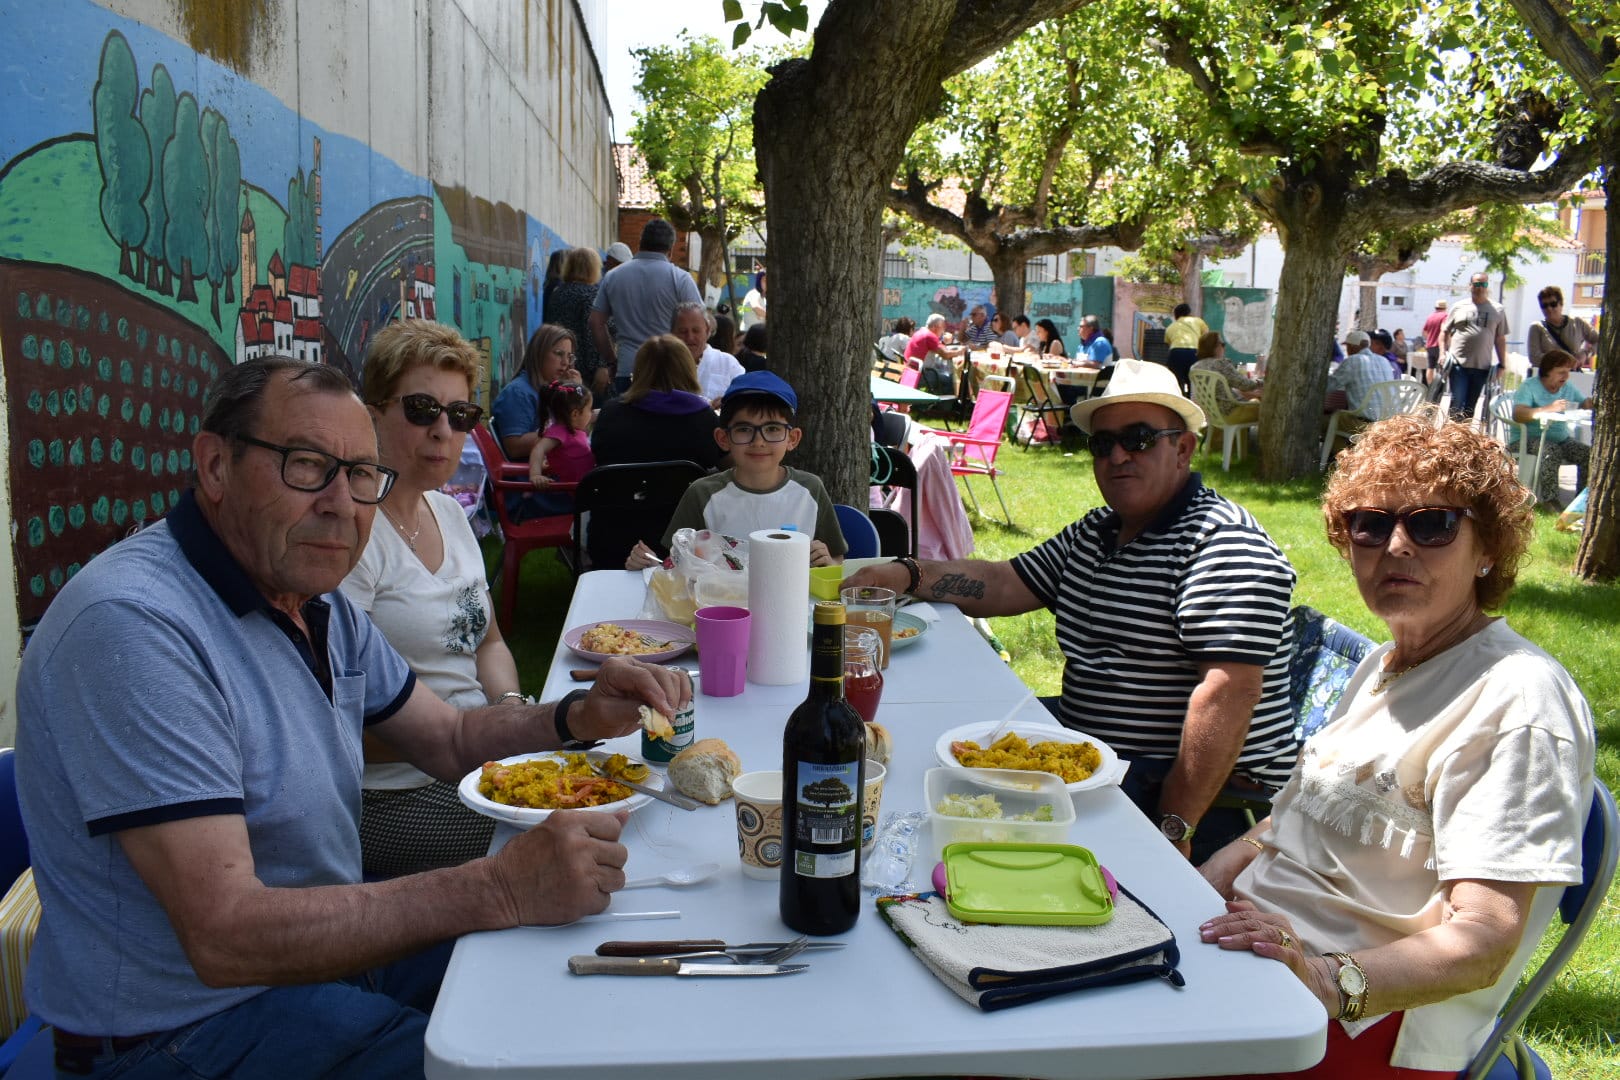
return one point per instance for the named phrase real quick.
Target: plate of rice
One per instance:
(1084, 762)
(652, 640)
(525, 789)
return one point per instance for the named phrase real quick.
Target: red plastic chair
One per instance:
(521, 537)
(973, 453)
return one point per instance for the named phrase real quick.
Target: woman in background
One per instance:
(570, 308)
(421, 579)
(1049, 341)
(755, 344)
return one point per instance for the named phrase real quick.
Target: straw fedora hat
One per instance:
(1140, 380)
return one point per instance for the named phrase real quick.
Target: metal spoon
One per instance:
(683, 876)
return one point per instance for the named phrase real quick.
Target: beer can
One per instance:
(685, 723)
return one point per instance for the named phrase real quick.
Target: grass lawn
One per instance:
(1577, 1025)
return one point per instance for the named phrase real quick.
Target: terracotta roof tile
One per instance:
(636, 189)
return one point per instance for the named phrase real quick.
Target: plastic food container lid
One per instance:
(1027, 884)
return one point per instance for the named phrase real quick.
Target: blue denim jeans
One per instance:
(1466, 385)
(371, 1025)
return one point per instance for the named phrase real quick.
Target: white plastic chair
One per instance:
(1518, 441)
(1383, 400)
(1206, 393)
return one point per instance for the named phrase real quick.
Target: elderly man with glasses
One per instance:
(190, 713)
(1172, 609)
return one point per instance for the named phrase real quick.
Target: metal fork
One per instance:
(775, 956)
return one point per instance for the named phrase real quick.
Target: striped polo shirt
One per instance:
(1202, 583)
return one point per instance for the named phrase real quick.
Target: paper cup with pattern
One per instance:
(871, 802)
(758, 798)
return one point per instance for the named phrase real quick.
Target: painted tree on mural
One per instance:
(121, 149)
(696, 133)
(221, 206)
(298, 234)
(185, 193)
(157, 118)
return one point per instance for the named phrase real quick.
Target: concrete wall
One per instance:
(186, 183)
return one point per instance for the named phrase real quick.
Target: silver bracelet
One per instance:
(512, 694)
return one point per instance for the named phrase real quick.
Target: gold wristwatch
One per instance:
(1352, 983)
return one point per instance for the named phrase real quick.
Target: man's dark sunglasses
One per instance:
(423, 409)
(1550, 304)
(1428, 526)
(1135, 439)
(304, 469)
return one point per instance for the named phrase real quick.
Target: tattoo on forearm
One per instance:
(958, 585)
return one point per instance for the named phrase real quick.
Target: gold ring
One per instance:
(1285, 939)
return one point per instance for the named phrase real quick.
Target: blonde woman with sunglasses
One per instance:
(421, 579)
(1411, 863)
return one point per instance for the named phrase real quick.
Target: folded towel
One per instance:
(1000, 966)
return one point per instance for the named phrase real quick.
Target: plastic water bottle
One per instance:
(1574, 514)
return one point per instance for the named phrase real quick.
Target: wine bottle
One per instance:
(823, 778)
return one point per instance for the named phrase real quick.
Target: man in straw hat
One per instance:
(1172, 613)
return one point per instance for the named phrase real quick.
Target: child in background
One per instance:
(563, 454)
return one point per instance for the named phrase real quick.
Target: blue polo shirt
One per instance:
(159, 686)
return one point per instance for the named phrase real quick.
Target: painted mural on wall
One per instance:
(1064, 302)
(1243, 316)
(161, 217)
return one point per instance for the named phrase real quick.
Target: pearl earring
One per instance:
(1484, 570)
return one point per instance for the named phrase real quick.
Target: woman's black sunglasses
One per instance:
(1428, 526)
(423, 409)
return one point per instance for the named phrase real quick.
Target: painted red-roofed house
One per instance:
(306, 338)
(304, 289)
(278, 274)
(421, 304)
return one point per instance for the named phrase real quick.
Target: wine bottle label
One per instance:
(829, 813)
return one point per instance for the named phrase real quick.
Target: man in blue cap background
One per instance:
(758, 491)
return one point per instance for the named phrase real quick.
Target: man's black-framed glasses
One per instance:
(771, 431)
(423, 409)
(303, 469)
(1428, 526)
(1135, 439)
(1550, 305)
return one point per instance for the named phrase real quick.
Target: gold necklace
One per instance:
(1384, 679)
(408, 537)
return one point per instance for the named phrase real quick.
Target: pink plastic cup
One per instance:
(722, 641)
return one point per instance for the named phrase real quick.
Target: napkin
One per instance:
(1001, 966)
(925, 612)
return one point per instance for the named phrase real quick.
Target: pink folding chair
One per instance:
(973, 453)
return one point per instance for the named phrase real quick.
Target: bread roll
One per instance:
(705, 770)
(877, 743)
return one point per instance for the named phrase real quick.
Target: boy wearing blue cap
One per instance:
(758, 491)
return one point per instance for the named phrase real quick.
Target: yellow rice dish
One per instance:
(611, 639)
(553, 784)
(1073, 762)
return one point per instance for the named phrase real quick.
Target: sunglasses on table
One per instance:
(423, 409)
(1135, 439)
(1428, 526)
(773, 432)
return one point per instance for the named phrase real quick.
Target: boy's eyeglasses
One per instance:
(303, 469)
(1428, 526)
(743, 434)
(423, 409)
(1135, 439)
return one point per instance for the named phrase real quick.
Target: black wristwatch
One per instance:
(1175, 828)
(559, 717)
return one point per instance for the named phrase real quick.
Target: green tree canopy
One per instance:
(121, 150)
(185, 195)
(157, 118)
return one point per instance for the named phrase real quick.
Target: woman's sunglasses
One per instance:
(423, 409)
(1428, 526)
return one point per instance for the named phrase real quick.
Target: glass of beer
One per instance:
(867, 605)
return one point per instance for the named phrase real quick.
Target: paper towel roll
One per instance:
(779, 605)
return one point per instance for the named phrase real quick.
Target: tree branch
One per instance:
(1397, 201)
(1178, 51)
(912, 200)
(1060, 140)
(1555, 33)
(983, 27)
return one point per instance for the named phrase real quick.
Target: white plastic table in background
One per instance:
(508, 1007)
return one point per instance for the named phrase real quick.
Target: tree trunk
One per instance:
(125, 267)
(1367, 274)
(1189, 263)
(188, 282)
(713, 262)
(213, 302)
(1599, 556)
(1008, 272)
(1311, 222)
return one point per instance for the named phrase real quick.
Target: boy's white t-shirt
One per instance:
(435, 620)
(718, 504)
